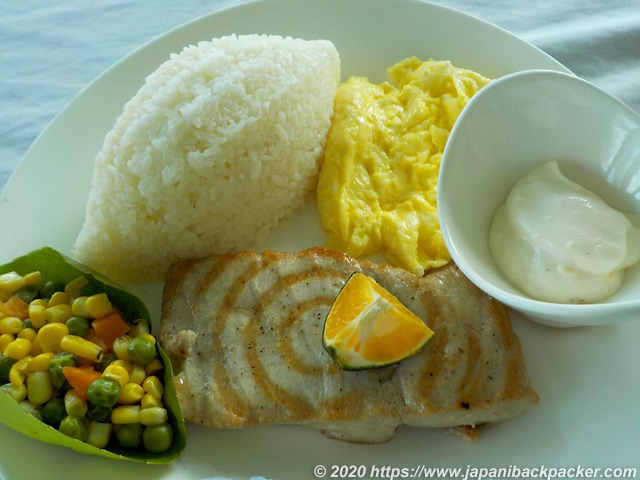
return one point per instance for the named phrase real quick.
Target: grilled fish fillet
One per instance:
(244, 334)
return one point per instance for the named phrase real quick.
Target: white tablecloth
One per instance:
(50, 50)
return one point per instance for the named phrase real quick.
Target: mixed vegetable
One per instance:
(73, 361)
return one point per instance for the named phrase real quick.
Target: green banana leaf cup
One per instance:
(55, 266)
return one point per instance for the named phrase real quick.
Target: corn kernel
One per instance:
(154, 367)
(128, 366)
(98, 305)
(40, 301)
(19, 371)
(39, 388)
(149, 337)
(59, 298)
(37, 314)
(74, 404)
(153, 385)
(120, 347)
(125, 414)
(81, 347)
(4, 296)
(28, 333)
(11, 325)
(117, 373)
(137, 374)
(11, 282)
(139, 327)
(150, 401)
(58, 313)
(36, 349)
(31, 409)
(18, 349)
(5, 339)
(50, 336)
(17, 392)
(75, 286)
(79, 307)
(40, 363)
(131, 393)
(33, 278)
(98, 434)
(153, 416)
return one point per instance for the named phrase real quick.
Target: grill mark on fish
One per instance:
(266, 300)
(343, 407)
(229, 399)
(259, 348)
(433, 368)
(269, 298)
(470, 385)
(288, 353)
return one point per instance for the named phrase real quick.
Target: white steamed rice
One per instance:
(222, 142)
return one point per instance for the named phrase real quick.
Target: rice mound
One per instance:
(221, 143)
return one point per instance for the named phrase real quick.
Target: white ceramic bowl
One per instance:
(514, 124)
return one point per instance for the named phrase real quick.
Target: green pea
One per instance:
(157, 438)
(100, 414)
(78, 326)
(129, 435)
(5, 367)
(74, 427)
(28, 293)
(57, 363)
(103, 392)
(141, 350)
(53, 412)
(51, 287)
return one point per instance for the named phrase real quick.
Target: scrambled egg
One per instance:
(377, 186)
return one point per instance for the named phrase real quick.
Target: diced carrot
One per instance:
(85, 362)
(110, 327)
(92, 336)
(80, 378)
(15, 307)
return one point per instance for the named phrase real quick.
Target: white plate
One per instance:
(587, 379)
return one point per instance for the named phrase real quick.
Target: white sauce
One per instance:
(561, 243)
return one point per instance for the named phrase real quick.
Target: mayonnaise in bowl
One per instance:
(559, 242)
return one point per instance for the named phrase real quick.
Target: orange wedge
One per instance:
(368, 327)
